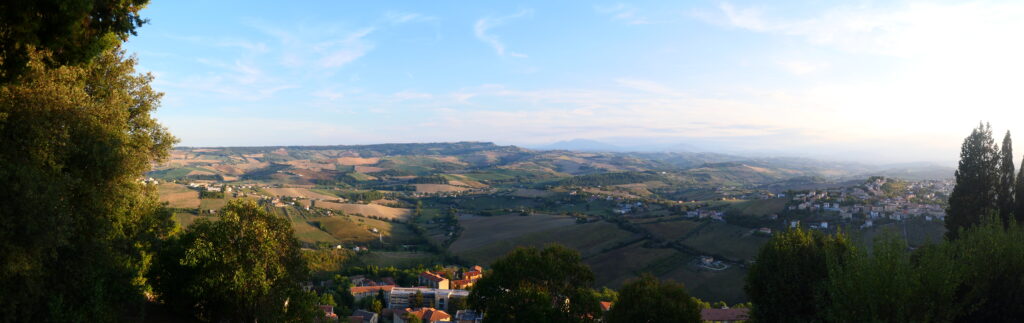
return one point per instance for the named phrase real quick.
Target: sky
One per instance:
(869, 81)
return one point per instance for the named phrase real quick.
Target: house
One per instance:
(724, 315)
(606, 306)
(363, 317)
(468, 316)
(433, 280)
(329, 315)
(358, 292)
(425, 314)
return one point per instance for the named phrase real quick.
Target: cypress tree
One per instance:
(1007, 183)
(1019, 196)
(977, 178)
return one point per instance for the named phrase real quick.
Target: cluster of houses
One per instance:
(870, 203)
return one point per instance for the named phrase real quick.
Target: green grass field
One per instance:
(671, 230)
(356, 229)
(399, 259)
(726, 240)
(306, 232)
(212, 204)
(759, 207)
(613, 268)
(487, 238)
(711, 286)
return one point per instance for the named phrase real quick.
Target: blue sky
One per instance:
(882, 81)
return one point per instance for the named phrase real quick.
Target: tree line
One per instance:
(985, 183)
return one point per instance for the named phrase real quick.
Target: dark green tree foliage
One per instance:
(977, 179)
(245, 267)
(1018, 191)
(417, 300)
(537, 285)
(1007, 181)
(74, 31)
(649, 300)
(787, 283)
(978, 277)
(77, 226)
(892, 285)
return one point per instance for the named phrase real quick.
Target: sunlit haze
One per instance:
(863, 81)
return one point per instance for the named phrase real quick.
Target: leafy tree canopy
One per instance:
(78, 225)
(247, 266)
(649, 300)
(786, 284)
(537, 285)
(74, 31)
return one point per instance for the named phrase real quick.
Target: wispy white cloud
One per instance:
(396, 17)
(484, 25)
(624, 13)
(903, 29)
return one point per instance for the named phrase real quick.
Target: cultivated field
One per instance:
(759, 207)
(437, 188)
(531, 193)
(727, 240)
(486, 238)
(352, 161)
(306, 232)
(616, 266)
(368, 210)
(300, 193)
(670, 230)
(178, 196)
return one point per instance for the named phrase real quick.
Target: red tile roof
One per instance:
(365, 289)
(432, 276)
(428, 314)
(724, 314)
(606, 306)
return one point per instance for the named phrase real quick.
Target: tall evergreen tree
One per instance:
(1019, 196)
(977, 179)
(1007, 183)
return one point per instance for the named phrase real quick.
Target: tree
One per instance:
(649, 300)
(417, 300)
(411, 318)
(1019, 195)
(376, 306)
(74, 31)
(456, 304)
(1007, 184)
(976, 182)
(74, 141)
(786, 284)
(247, 266)
(537, 285)
(890, 284)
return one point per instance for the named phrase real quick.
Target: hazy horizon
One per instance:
(867, 81)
